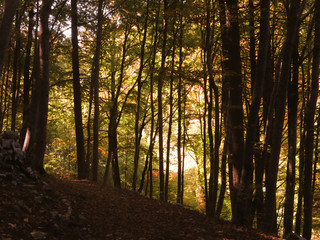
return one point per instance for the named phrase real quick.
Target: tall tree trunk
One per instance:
(95, 82)
(180, 86)
(137, 127)
(292, 143)
(214, 143)
(114, 117)
(26, 77)
(5, 29)
(270, 216)
(205, 95)
(233, 89)
(16, 72)
(152, 68)
(166, 189)
(77, 92)
(162, 76)
(309, 126)
(247, 170)
(42, 91)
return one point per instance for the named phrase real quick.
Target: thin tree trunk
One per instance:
(162, 76)
(214, 143)
(205, 92)
(16, 69)
(77, 93)
(26, 78)
(114, 119)
(223, 180)
(166, 189)
(180, 86)
(137, 127)
(309, 125)
(292, 144)
(95, 82)
(152, 68)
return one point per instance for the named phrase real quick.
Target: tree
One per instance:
(232, 81)
(41, 96)
(252, 125)
(309, 126)
(77, 93)
(95, 83)
(161, 77)
(270, 221)
(139, 82)
(5, 28)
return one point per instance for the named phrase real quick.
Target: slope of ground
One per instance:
(52, 209)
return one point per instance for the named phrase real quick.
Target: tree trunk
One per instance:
(270, 216)
(114, 118)
(26, 78)
(247, 171)
(180, 86)
(95, 82)
(152, 68)
(5, 29)
(292, 144)
(214, 143)
(162, 76)
(16, 72)
(77, 93)
(42, 92)
(309, 126)
(166, 189)
(233, 89)
(137, 127)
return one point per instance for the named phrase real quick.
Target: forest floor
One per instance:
(55, 209)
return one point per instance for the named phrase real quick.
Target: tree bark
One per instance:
(180, 86)
(26, 77)
(95, 82)
(233, 90)
(247, 171)
(42, 92)
(137, 127)
(5, 29)
(309, 126)
(214, 142)
(162, 76)
(77, 93)
(270, 216)
(292, 144)
(16, 71)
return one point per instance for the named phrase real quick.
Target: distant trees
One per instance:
(229, 87)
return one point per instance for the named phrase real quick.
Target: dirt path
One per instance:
(82, 210)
